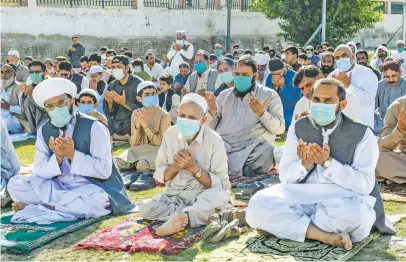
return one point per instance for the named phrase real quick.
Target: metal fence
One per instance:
(15, 2)
(242, 5)
(96, 3)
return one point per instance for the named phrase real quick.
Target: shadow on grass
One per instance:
(28, 142)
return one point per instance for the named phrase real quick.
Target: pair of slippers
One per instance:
(247, 192)
(139, 181)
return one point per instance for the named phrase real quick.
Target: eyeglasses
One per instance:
(36, 72)
(60, 103)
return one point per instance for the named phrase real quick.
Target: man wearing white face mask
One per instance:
(192, 162)
(361, 80)
(181, 51)
(121, 99)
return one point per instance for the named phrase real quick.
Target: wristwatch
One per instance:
(327, 163)
(199, 173)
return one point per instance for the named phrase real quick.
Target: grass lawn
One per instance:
(60, 249)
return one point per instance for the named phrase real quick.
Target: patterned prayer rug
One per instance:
(136, 235)
(393, 192)
(22, 238)
(241, 180)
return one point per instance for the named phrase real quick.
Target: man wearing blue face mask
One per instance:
(88, 103)
(204, 78)
(314, 59)
(401, 54)
(218, 51)
(361, 80)
(192, 162)
(334, 157)
(248, 117)
(74, 172)
(148, 126)
(138, 70)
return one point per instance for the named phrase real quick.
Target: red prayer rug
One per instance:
(137, 235)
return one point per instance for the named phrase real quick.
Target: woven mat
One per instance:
(241, 180)
(252, 247)
(393, 192)
(22, 238)
(136, 235)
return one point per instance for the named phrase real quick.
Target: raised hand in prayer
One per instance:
(66, 146)
(402, 121)
(56, 149)
(303, 114)
(211, 102)
(26, 89)
(121, 100)
(257, 106)
(184, 91)
(278, 81)
(108, 97)
(317, 154)
(184, 159)
(307, 160)
(141, 116)
(343, 78)
(177, 47)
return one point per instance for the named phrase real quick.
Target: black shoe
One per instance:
(248, 171)
(144, 182)
(129, 179)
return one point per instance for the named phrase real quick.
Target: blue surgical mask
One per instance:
(218, 52)
(85, 108)
(200, 67)
(323, 114)
(242, 83)
(60, 116)
(150, 101)
(137, 69)
(400, 50)
(309, 56)
(344, 64)
(36, 78)
(188, 128)
(227, 77)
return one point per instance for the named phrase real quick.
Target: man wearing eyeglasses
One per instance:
(75, 175)
(31, 111)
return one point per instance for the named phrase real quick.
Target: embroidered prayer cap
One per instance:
(121, 59)
(53, 87)
(198, 99)
(261, 58)
(90, 92)
(96, 69)
(275, 64)
(13, 53)
(144, 84)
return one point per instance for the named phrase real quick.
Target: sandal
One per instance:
(247, 192)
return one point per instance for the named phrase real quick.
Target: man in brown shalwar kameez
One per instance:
(148, 126)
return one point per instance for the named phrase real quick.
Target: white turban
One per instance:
(13, 53)
(180, 32)
(143, 85)
(400, 42)
(261, 58)
(96, 69)
(51, 88)
(198, 99)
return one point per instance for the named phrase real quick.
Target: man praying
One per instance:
(327, 175)
(192, 162)
(74, 175)
(148, 126)
(87, 104)
(247, 117)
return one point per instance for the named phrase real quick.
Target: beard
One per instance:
(327, 69)
(6, 82)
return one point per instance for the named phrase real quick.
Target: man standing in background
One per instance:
(76, 52)
(181, 51)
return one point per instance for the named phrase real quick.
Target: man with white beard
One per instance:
(10, 99)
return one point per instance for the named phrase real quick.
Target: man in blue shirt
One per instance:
(281, 80)
(180, 79)
(314, 59)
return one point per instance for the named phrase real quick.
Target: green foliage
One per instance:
(300, 18)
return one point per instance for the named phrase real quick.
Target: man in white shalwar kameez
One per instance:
(361, 80)
(327, 175)
(62, 186)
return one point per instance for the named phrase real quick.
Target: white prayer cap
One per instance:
(181, 32)
(198, 99)
(143, 85)
(400, 42)
(14, 53)
(96, 69)
(51, 88)
(89, 91)
(309, 47)
(261, 58)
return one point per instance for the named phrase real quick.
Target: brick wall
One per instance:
(43, 47)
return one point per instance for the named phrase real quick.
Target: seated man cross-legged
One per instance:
(192, 162)
(74, 175)
(329, 191)
(148, 126)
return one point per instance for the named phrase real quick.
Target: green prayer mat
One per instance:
(18, 238)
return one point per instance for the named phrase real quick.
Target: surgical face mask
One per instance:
(309, 56)
(150, 101)
(180, 42)
(137, 69)
(188, 128)
(400, 50)
(103, 56)
(323, 114)
(218, 52)
(344, 64)
(227, 77)
(60, 116)
(36, 78)
(85, 108)
(242, 83)
(118, 73)
(200, 67)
